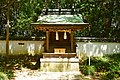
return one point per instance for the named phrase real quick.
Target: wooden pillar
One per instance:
(72, 41)
(47, 41)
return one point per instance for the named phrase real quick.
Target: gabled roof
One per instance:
(60, 22)
(60, 19)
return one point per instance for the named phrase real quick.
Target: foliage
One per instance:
(103, 16)
(27, 13)
(103, 64)
(100, 64)
(22, 13)
(112, 75)
(16, 62)
(3, 76)
(88, 70)
(109, 65)
(5, 73)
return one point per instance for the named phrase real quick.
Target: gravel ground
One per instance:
(27, 74)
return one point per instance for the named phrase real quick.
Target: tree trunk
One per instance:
(7, 34)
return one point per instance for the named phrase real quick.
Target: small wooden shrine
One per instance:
(59, 45)
(59, 25)
(59, 31)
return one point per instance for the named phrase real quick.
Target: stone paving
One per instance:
(27, 74)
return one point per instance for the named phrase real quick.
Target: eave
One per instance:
(60, 26)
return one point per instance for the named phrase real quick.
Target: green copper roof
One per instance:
(60, 19)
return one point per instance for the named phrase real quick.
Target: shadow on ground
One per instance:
(18, 61)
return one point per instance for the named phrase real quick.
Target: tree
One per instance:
(103, 16)
(7, 34)
(3, 10)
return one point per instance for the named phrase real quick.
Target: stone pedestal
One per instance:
(59, 64)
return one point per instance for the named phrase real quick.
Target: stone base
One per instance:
(59, 64)
(59, 55)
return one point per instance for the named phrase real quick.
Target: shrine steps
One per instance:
(59, 64)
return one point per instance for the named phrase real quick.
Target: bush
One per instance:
(5, 72)
(104, 64)
(100, 63)
(114, 66)
(112, 75)
(88, 70)
(3, 76)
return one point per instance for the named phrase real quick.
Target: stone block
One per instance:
(59, 64)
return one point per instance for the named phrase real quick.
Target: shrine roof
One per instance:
(60, 22)
(60, 19)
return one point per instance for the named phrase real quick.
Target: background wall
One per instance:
(35, 47)
(97, 48)
(22, 47)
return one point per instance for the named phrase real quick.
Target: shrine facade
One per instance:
(59, 31)
(59, 45)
